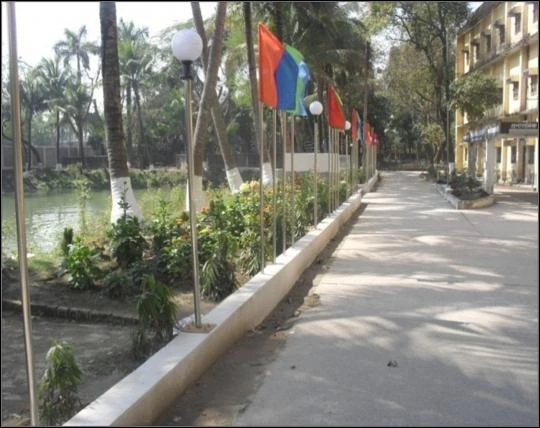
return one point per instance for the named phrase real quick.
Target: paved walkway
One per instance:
(428, 316)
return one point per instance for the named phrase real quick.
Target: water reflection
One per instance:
(48, 215)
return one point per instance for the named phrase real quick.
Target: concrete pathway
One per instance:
(428, 316)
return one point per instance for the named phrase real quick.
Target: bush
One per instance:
(157, 316)
(81, 263)
(118, 284)
(57, 389)
(126, 240)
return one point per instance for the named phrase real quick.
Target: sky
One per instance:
(41, 24)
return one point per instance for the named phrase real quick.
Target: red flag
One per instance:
(367, 133)
(354, 125)
(270, 52)
(336, 119)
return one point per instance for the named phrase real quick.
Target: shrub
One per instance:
(157, 314)
(57, 389)
(118, 284)
(81, 263)
(126, 240)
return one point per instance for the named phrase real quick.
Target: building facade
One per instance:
(501, 39)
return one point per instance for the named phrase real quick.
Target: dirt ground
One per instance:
(103, 349)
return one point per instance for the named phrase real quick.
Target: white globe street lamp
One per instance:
(315, 108)
(187, 47)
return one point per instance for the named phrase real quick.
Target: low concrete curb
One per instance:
(460, 204)
(142, 396)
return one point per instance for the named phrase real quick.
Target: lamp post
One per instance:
(347, 128)
(315, 108)
(187, 47)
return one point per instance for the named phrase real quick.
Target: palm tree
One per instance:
(128, 39)
(33, 101)
(136, 65)
(234, 177)
(116, 150)
(54, 80)
(76, 47)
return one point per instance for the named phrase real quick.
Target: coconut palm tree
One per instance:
(116, 150)
(33, 101)
(129, 38)
(54, 80)
(76, 47)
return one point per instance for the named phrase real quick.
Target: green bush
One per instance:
(126, 240)
(57, 389)
(81, 263)
(118, 284)
(157, 315)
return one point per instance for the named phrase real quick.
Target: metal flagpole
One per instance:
(347, 169)
(329, 170)
(192, 213)
(274, 183)
(19, 211)
(261, 187)
(315, 176)
(338, 167)
(283, 119)
(292, 181)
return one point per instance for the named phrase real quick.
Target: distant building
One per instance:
(501, 39)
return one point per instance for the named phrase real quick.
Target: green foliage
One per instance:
(67, 240)
(81, 263)
(475, 93)
(126, 240)
(118, 283)
(157, 314)
(57, 389)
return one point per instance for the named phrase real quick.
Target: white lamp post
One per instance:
(347, 128)
(187, 47)
(315, 108)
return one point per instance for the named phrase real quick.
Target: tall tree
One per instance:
(248, 28)
(54, 80)
(116, 150)
(33, 101)
(428, 26)
(234, 177)
(201, 126)
(75, 46)
(130, 41)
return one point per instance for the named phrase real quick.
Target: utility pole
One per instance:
(447, 83)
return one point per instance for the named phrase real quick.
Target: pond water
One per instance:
(48, 214)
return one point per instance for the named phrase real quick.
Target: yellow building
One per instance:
(501, 39)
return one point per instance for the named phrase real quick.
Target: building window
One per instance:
(530, 149)
(488, 43)
(501, 34)
(499, 155)
(515, 91)
(533, 85)
(517, 23)
(513, 154)
(476, 52)
(466, 57)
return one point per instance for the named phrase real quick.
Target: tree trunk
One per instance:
(129, 123)
(234, 177)
(29, 164)
(143, 151)
(116, 150)
(201, 128)
(253, 80)
(58, 163)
